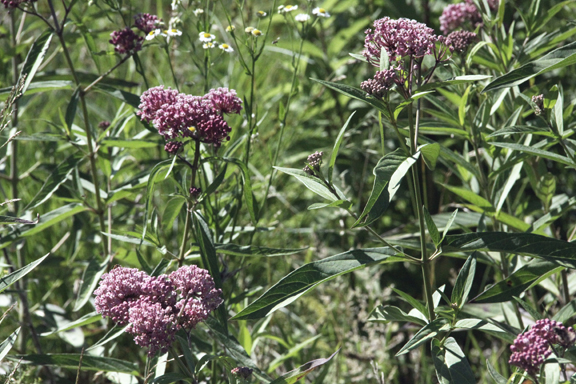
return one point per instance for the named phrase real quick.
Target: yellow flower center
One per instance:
(225, 46)
(174, 30)
(256, 32)
(192, 129)
(151, 33)
(321, 10)
(207, 35)
(288, 7)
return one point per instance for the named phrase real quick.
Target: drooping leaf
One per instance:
(527, 244)
(432, 229)
(559, 58)
(464, 282)
(35, 57)
(72, 361)
(7, 344)
(388, 173)
(88, 318)
(125, 96)
(300, 372)
(426, 333)
(517, 282)
(454, 81)
(13, 277)
(387, 313)
(498, 378)
(452, 367)
(535, 152)
(312, 183)
(305, 278)
(335, 204)
(90, 279)
(255, 250)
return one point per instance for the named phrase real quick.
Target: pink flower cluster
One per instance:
(155, 308)
(146, 22)
(177, 114)
(531, 348)
(382, 82)
(400, 38)
(16, 3)
(455, 15)
(126, 41)
(459, 41)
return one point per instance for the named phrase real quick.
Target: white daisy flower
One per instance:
(226, 48)
(230, 28)
(198, 11)
(288, 8)
(205, 37)
(173, 32)
(208, 45)
(152, 34)
(302, 18)
(175, 4)
(320, 12)
(249, 29)
(261, 14)
(256, 32)
(280, 9)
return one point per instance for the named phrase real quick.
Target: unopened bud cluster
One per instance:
(538, 100)
(314, 161)
(156, 307)
(531, 348)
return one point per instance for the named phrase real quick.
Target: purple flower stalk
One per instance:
(146, 22)
(126, 41)
(157, 307)
(531, 348)
(400, 38)
(199, 117)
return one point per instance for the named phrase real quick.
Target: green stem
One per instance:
(189, 206)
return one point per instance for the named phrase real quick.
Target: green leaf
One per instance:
(355, 93)
(125, 96)
(462, 106)
(559, 58)
(430, 153)
(512, 178)
(498, 378)
(492, 329)
(13, 277)
(53, 217)
(15, 220)
(56, 178)
(387, 313)
(35, 57)
(412, 301)
(336, 148)
(535, 152)
(217, 181)
(234, 349)
(522, 129)
(454, 81)
(292, 352)
(209, 257)
(90, 279)
(531, 310)
(335, 204)
(464, 282)
(130, 143)
(520, 280)
(451, 364)
(312, 183)
(255, 250)
(566, 313)
(73, 361)
(249, 198)
(172, 210)
(389, 173)
(307, 277)
(7, 344)
(432, 229)
(89, 318)
(171, 377)
(71, 108)
(300, 372)
(449, 224)
(426, 333)
(526, 244)
(559, 112)
(150, 189)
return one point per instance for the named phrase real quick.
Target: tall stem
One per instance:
(189, 206)
(425, 261)
(87, 130)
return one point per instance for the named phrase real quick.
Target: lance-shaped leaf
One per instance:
(355, 93)
(498, 378)
(313, 183)
(35, 57)
(305, 278)
(336, 148)
(535, 152)
(387, 313)
(255, 250)
(527, 244)
(13, 277)
(451, 364)
(428, 332)
(388, 173)
(90, 279)
(73, 361)
(520, 280)
(7, 344)
(299, 373)
(454, 81)
(464, 282)
(559, 58)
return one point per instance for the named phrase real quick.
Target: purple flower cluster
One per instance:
(155, 308)
(400, 38)
(146, 22)
(16, 3)
(173, 147)
(382, 82)
(455, 15)
(531, 348)
(538, 100)
(199, 117)
(459, 41)
(126, 41)
(242, 372)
